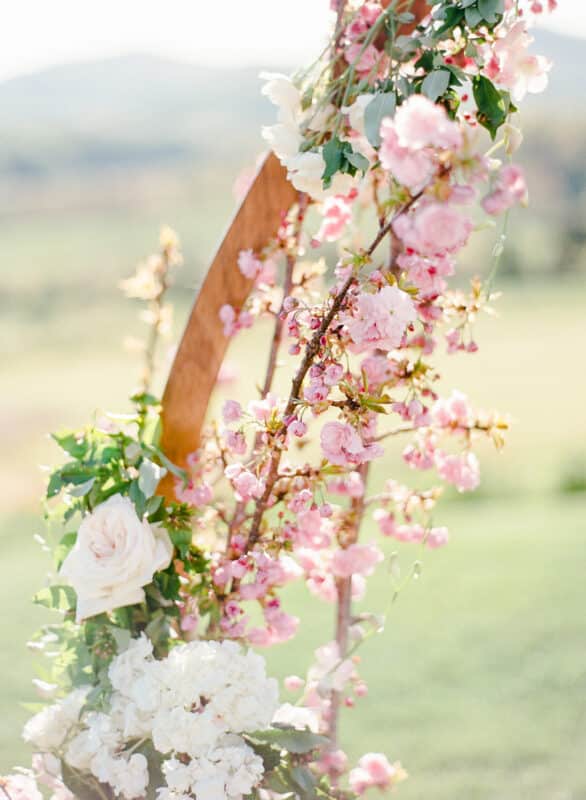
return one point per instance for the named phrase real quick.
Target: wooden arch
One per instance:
(203, 345)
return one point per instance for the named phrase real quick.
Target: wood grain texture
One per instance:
(203, 346)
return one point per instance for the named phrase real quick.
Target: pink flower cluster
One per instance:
(342, 445)
(379, 320)
(510, 188)
(413, 139)
(374, 771)
(368, 61)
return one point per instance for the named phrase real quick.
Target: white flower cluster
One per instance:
(285, 138)
(191, 706)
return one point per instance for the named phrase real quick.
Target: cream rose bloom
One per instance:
(115, 555)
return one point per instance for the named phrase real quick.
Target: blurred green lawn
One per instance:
(477, 685)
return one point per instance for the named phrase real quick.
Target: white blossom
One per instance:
(116, 554)
(48, 729)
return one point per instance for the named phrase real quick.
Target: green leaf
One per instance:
(136, 495)
(333, 157)
(153, 505)
(473, 17)
(59, 597)
(468, 3)
(435, 84)
(149, 477)
(305, 780)
(145, 399)
(358, 160)
(382, 105)
(493, 106)
(65, 544)
(55, 484)
(491, 10)
(168, 464)
(83, 488)
(73, 443)
(271, 756)
(291, 739)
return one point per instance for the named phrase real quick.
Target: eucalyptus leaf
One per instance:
(291, 739)
(473, 17)
(333, 156)
(435, 84)
(382, 105)
(83, 488)
(491, 10)
(149, 477)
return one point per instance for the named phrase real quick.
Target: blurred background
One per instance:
(122, 117)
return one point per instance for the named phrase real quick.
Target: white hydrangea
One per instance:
(192, 703)
(128, 777)
(100, 735)
(211, 688)
(48, 729)
(230, 770)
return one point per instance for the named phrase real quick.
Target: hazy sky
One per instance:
(37, 33)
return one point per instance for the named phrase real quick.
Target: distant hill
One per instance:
(139, 111)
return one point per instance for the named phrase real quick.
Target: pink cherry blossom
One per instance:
(235, 442)
(452, 412)
(194, 494)
(245, 482)
(461, 471)
(378, 370)
(427, 273)
(436, 537)
(342, 445)
(231, 411)
(297, 427)
(373, 770)
(350, 485)
(379, 320)
(293, 683)
(434, 229)
(248, 264)
(386, 522)
(337, 214)
(511, 66)
(234, 321)
(332, 763)
(412, 168)
(357, 559)
(420, 123)
(312, 530)
(262, 409)
(510, 188)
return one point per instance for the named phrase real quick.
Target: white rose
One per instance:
(284, 140)
(306, 171)
(282, 93)
(357, 111)
(115, 555)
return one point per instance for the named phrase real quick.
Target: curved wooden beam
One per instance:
(203, 345)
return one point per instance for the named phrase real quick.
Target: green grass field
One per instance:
(478, 683)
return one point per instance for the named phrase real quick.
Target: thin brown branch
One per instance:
(311, 351)
(287, 287)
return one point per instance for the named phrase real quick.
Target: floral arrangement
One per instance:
(151, 687)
